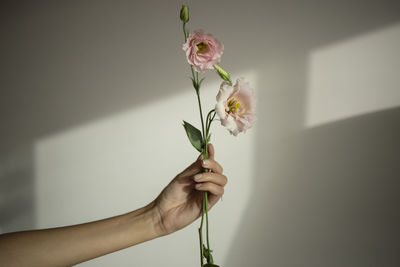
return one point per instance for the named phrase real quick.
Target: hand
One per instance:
(180, 203)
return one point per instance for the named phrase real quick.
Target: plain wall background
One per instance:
(92, 94)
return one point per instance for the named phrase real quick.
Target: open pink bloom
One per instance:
(203, 50)
(236, 106)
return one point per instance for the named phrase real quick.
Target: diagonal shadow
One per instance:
(328, 198)
(324, 196)
(283, 33)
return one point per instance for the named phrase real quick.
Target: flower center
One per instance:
(233, 105)
(202, 47)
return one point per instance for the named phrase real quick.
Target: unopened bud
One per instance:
(184, 13)
(223, 74)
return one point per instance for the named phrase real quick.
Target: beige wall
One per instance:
(315, 183)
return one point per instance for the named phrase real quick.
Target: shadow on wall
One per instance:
(17, 191)
(330, 198)
(323, 196)
(68, 63)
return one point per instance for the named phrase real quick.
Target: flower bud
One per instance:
(184, 13)
(223, 74)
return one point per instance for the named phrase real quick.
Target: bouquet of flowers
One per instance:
(235, 105)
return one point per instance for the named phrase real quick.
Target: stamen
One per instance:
(233, 105)
(202, 47)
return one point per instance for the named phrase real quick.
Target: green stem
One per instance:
(201, 246)
(209, 120)
(191, 68)
(205, 132)
(205, 196)
(201, 117)
(184, 31)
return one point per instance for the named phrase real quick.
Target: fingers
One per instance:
(199, 165)
(210, 187)
(215, 178)
(211, 182)
(211, 152)
(212, 165)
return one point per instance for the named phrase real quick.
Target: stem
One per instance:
(202, 216)
(205, 200)
(209, 120)
(205, 132)
(206, 205)
(184, 31)
(201, 246)
(205, 194)
(201, 235)
(201, 118)
(191, 67)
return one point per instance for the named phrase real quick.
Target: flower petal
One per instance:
(240, 119)
(205, 60)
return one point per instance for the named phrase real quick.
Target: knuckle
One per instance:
(207, 186)
(222, 191)
(212, 188)
(225, 179)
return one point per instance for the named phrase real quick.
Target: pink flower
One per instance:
(202, 50)
(236, 106)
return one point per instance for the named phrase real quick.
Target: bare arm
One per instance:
(70, 245)
(178, 205)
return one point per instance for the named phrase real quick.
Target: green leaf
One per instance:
(194, 136)
(207, 254)
(210, 265)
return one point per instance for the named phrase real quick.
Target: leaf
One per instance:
(207, 254)
(210, 265)
(194, 136)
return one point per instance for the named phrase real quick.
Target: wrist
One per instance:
(157, 223)
(142, 224)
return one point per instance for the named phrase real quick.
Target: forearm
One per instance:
(70, 245)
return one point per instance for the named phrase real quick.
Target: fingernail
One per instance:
(197, 177)
(198, 186)
(206, 163)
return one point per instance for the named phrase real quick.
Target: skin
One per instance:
(177, 206)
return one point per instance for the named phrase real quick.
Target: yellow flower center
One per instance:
(202, 47)
(233, 105)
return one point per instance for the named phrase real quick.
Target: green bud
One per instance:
(184, 13)
(223, 74)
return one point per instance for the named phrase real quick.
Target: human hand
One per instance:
(180, 203)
